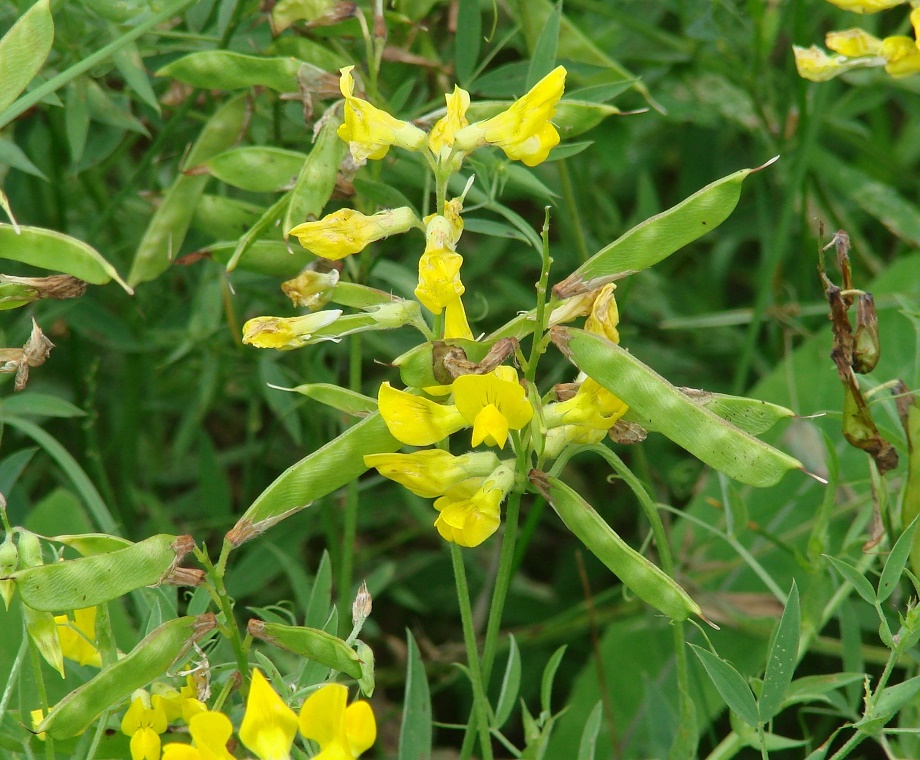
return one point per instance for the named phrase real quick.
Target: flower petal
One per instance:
(268, 725)
(415, 420)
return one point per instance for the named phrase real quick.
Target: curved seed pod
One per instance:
(90, 581)
(226, 70)
(705, 435)
(92, 543)
(645, 579)
(152, 657)
(257, 168)
(313, 643)
(659, 236)
(749, 414)
(325, 470)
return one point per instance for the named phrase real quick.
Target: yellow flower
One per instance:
(866, 6)
(439, 279)
(77, 637)
(144, 723)
(173, 700)
(493, 404)
(815, 65)
(210, 733)
(346, 231)
(369, 131)
(286, 333)
(470, 514)
(433, 472)
(592, 407)
(604, 316)
(441, 137)
(311, 289)
(853, 43)
(524, 131)
(268, 725)
(342, 732)
(415, 420)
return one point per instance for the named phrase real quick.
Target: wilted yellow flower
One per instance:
(853, 43)
(210, 732)
(866, 6)
(78, 637)
(432, 472)
(346, 231)
(524, 131)
(470, 513)
(342, 732)
(441, 137)
(604, 316)
(268, 725)
(415, 420)
(144, 723)
(493, 404)
(286, 333)
(369, 131)
(815, 65)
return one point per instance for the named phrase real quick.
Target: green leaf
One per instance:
(130, 65)
(543, 59)
(588, 744)
(76, 118)
(782, 658)
(12, 155)
(268, 257)
(257, 169)
(317, 611)
(468, 40)
(57, 252)
(511, 684)
(897, 559)
(342, 399)
(889, 702)
(224, 70)
(705, 435)
(549, 675)
(39, 405)
(415, 731)
(730, 684)
(659, 236)
(23, 50)
(856, 578)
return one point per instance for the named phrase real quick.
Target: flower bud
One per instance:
(286, 333)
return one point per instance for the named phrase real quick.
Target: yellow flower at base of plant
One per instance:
(469, 515)
(605, 315)
(371, 132)
(342, 731)
(433, 472)
(524, 130)
(866, 6)
(493, 404)
(77, 637)
(286, 333)
(347, 231)
(144, 724)
(210, 732)
(268, 725)
(415, 420)
(441, 137)
(853, 43)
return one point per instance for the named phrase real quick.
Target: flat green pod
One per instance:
(226, 70)
(312, 643)
(100, 578)
(92, 543)
(704, 434)
(151, 658)
(257, 168)
(342, 399)
(644, 578)
(274, 258)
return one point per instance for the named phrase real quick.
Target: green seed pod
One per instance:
(30, 550)
(9, 559)
(92, 543)
(866, 346)
(313, 643)
(645, 579)
(366, 682)
(44, 633)
(707, 436)
(90, 581)
(151, 658)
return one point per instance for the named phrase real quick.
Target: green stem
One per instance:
(350, 526)
(34, 97)
(480, 704)
(538, 346)
(218, 592)
(105, 636)
(13, 676)
(40, 687)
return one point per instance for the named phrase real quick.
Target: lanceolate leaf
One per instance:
(415, 732)
(730, 684)
(782, 658)
(704, 434)
(23, 50)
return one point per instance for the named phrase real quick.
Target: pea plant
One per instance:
(469, 424)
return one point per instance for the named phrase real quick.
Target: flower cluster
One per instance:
(856, 48)
(267, 730)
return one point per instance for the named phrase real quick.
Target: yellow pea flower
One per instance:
(210, 733)
(866, 6)
(439, 279)
(369, 131)
(342, 732)
(268, 725)
(467, 519)
(902, 56)
(286, 333)
(171, 699)
(456, 324)
(592, 407)
(604, 316)
(144, 723)
(311, 289)
(347, 231)
(524, 130)
(493, 404)
(441, 137)
(415, 420)
(815, 65)
(853, 43)
(433, 472)
(77, 637)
